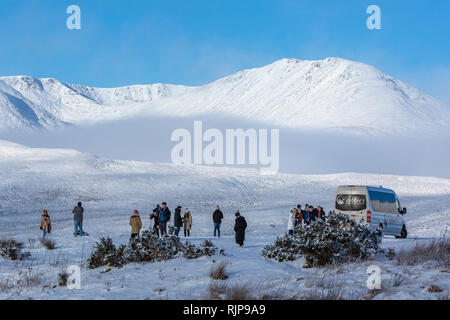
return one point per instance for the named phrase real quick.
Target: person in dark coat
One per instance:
(217, 219)
(305, 217)
(78, 219)
(177, 220)
(240, 227)
(164, 217)
(155, 216)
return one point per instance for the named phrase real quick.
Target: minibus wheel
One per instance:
(403, 233)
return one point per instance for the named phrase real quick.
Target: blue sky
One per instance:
(194, 42)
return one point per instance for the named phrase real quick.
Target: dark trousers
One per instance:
(240, 242)
(156, 230)
(163, 227)
(187, 233)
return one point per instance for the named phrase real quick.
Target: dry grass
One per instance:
(219, 271)
(436, 250)
(48, 243)
(239, 292)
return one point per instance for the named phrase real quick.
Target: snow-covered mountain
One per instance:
(328, 94)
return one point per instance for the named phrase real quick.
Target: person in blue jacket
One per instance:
(164, 217)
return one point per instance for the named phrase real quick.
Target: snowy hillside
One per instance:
(331, 94)
(34, 179)
(56, 179)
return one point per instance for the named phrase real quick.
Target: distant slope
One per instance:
(333, 94)
(33, 179)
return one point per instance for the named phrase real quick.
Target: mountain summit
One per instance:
(331, 94)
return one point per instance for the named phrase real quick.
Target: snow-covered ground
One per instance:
(36, 179)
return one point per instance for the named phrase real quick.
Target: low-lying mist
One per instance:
(301, 152)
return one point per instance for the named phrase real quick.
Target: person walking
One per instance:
(78, 212)
(240, 227)
(136, 224)
(187, 223)
(164, 218)
(177, 221)
(291, 222)
(155, 216)
(46, 224)
(217, 219)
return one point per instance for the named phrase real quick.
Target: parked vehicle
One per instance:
(376, 206)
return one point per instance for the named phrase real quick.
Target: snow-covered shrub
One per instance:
(106, 254)
(336, 239)
(147, 248)
(12, 250)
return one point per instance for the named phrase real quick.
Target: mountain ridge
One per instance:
(330, 94)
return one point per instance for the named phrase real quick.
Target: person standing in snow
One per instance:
(239, 227)
(155, 216)
(291, 222)
(320, 213)
(305, 215)
(187, 223)
(217, 219)
(312, 213)
(136, 224)
(164, 217)
(78, 219)
(46, 225)
(298, 215)
(177, 220)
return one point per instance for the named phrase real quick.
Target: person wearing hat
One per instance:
(46, 225)
(136, 224)
(239, 227)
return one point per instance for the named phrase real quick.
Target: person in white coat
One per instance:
(291, 222)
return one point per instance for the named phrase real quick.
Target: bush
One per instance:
(48, 243)
(438, 251)
(106, 254)
(63, 277)
(219, 272)
(12, 250)
(147, 248)
(336, 239)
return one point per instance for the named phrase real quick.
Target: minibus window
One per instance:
(351, 202)
(383, 202)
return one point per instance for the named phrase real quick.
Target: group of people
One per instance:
(298, 216)
(161, 216)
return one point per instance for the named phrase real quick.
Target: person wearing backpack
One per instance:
(136, 224)
(46, 224)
